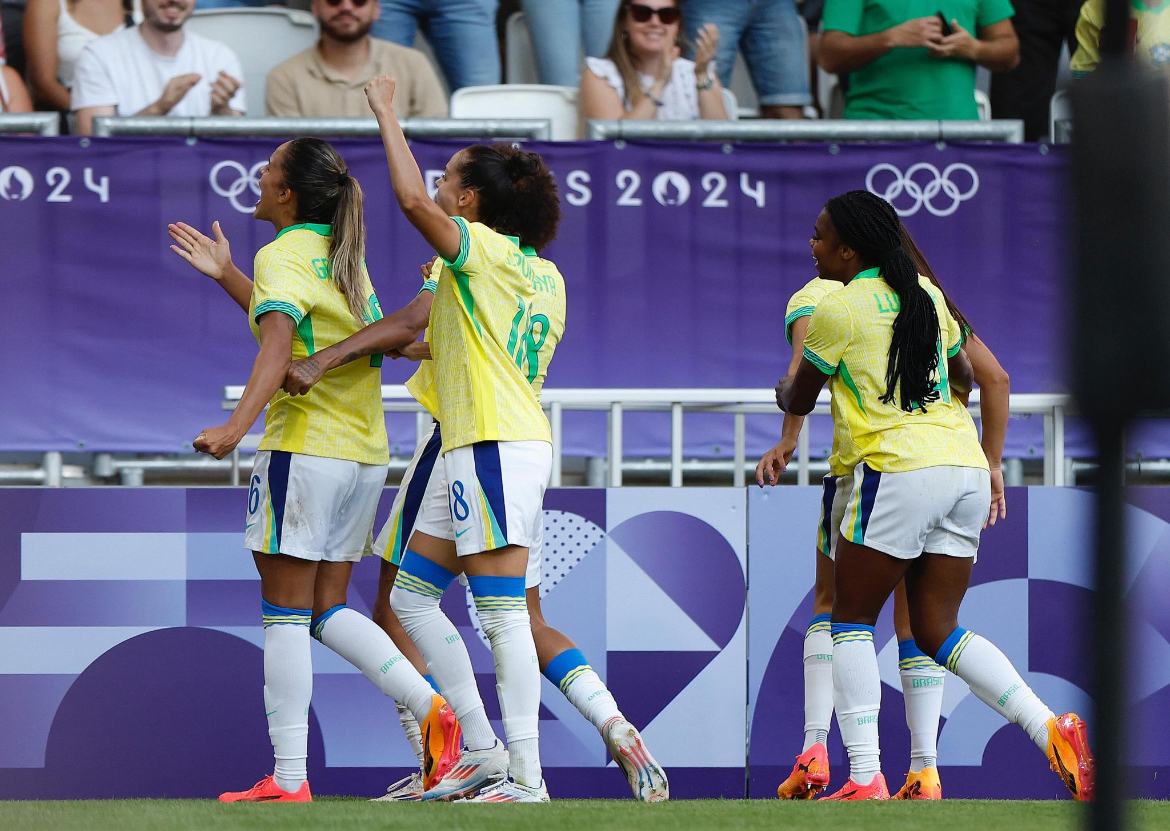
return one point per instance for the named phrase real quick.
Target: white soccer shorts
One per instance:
(939, 510)
(311, 507)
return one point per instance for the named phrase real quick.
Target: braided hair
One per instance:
(870, 226)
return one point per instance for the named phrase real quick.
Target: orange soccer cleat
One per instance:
(809, 776)
(1069, 755)
(266, 790)
(442, 738)
(853, 792)
(921, 785)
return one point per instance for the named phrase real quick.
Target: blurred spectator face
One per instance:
(346, 20)
(652, 26)
(167, 15)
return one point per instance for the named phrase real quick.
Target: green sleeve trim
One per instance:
(281, 306)
(430, 285)
(819, 362)
(954, 350)
(464, 244)
(793, 316)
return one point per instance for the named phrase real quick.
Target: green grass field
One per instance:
(562, 815)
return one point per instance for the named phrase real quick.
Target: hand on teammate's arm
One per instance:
(438, 229)
(997, 48)
(419, 350)
(212, 257)
(268, 373)
(797, 394)
(397, 330)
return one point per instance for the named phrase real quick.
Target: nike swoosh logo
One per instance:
(459, 534)
(249, 525)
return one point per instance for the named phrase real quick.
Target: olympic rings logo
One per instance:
(923, 191)
(245, 179)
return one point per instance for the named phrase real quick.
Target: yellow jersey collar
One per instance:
(316, 227)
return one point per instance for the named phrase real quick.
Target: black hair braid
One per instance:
(871, 227)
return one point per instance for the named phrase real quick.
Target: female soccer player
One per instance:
(921, 677)
(420, 507)
(921, 487)
(492, 316)
(322, 462)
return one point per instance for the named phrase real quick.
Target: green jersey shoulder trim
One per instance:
(281, 306)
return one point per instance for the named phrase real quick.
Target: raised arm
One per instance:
(439, 230)
(994, 405)
(268, 373)
(776, 460)
(396, 330)
(212, 257)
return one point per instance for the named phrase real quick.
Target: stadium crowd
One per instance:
(646, 59)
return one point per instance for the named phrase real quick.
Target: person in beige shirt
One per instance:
(328, 80)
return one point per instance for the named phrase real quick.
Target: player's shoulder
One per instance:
(812, 292)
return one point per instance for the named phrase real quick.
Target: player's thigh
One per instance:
(439, 551)
(935, 587)
(864, 579)
(286, 581)
(330, 586)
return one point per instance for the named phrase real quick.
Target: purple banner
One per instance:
(679, 261)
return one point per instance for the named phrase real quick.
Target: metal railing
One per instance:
(737, 402)
(833, 130)
(43, 124)
(226, 126)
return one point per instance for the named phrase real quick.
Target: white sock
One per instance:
(857, 698)
(995, 682)
(503, 615)
(922, 688)
(818, 681)
(288, 688)
(366, 645)
(415, 600)
(413, 732)
(583, 687)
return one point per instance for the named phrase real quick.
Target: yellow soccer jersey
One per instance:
(498, 315)
(341, 417)
(804, 302)
(849, 338)
(1148, 37)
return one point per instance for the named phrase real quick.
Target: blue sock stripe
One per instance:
(560, 667)
(819, 623)
(319, 622)
(952, 648)
(274, 614)
(851, 632)
(911, 657)
(430, 679)
(421, 576)
(485, 586)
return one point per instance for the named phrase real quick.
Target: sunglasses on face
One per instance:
(357, 4)
(666, 15)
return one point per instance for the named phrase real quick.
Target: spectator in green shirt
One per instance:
(902, 66)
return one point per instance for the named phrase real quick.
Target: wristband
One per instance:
(705, 85)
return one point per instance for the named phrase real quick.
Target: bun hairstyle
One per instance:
(328, 194)
(517, 192)
(870, 226)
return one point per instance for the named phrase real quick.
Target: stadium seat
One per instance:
(261, 37)
(983, 105)
(1059, 110)
(558, 104)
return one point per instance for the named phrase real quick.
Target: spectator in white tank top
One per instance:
(56, 32)
(643, 75)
